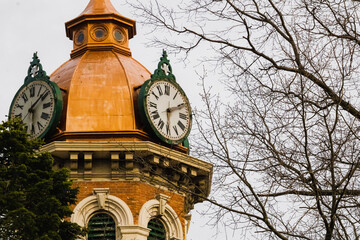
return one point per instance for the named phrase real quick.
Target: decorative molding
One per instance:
(108, 47)
(133, 232)
(74, 157)
(88, 164)
(164, 69)
(114, 205)
(162, 198)
(57, 147)
(187, 222)
(170, 219)
(136, 161)
(101, 195)
(115, 159)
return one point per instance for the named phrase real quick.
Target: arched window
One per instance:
(158, 231)
(101, 227)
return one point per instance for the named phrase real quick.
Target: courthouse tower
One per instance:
(126, 149)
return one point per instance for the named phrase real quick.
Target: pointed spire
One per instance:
(99, 7)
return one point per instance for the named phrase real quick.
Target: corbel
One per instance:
(115, 159)
(88, 162)
(101, 196)
(154, 159)
(129, 160)
(162, 198)
(74, 157)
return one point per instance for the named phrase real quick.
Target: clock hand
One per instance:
(177, 107)
(29, 111)
(37, 100)
(168, 112)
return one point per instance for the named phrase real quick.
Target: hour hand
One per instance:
(30, 111)
(177, 107)
(168, 117)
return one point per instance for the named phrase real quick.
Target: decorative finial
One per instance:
(164, 70)
(35, 71)
(164, 55)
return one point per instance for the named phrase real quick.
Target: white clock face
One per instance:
(169, 110)
(34, 105)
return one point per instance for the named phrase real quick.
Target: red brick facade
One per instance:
(135, 194)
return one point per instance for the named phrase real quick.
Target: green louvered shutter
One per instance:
(157, 230)
(101, 227)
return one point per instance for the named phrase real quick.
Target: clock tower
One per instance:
(122, 133)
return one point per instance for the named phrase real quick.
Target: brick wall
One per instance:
(134, 194)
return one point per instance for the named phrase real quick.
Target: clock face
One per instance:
(34, 104)
(168, 111)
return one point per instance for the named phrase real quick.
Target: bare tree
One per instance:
(284, 134)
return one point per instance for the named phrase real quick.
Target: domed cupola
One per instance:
(100, 27)
(100, 83)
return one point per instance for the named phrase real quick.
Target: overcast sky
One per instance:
(38, 25)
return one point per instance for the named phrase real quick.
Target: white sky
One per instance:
(38, 25)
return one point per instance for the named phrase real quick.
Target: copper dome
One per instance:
(100, 82)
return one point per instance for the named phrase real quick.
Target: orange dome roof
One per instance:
(100, 82)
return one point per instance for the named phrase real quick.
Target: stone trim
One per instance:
(162, 198)
(133, 232)
(170, 219)
(57, 147)
(114, 205)
(101, 195)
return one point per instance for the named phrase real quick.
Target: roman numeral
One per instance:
(32, 91)
(154, 105)
(175, 129)
(161, 124)
(183, 116)
(24, 96)
(46, 105)
(167, 90)
(181, 125)
(157, 98)
(167, 129)
(39, 91)
(45, 116)
(19, 115)
(19, 106)
(160, 91)
(44, 95)
(32, 129)
(40, 126)
(175, 95)
(155, 114)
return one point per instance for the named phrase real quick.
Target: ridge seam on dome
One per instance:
(73, 76)
(130, 90)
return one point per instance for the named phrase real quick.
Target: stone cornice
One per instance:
(135, 161)
(57, 147)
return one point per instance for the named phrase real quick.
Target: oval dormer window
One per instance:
(79, 37)
(99, 33)
(118, 35)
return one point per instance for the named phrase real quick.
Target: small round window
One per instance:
(79, 38)
(99, 33)
(118, 35)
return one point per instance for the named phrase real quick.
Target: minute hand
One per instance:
(37, 100)
(177, 107)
